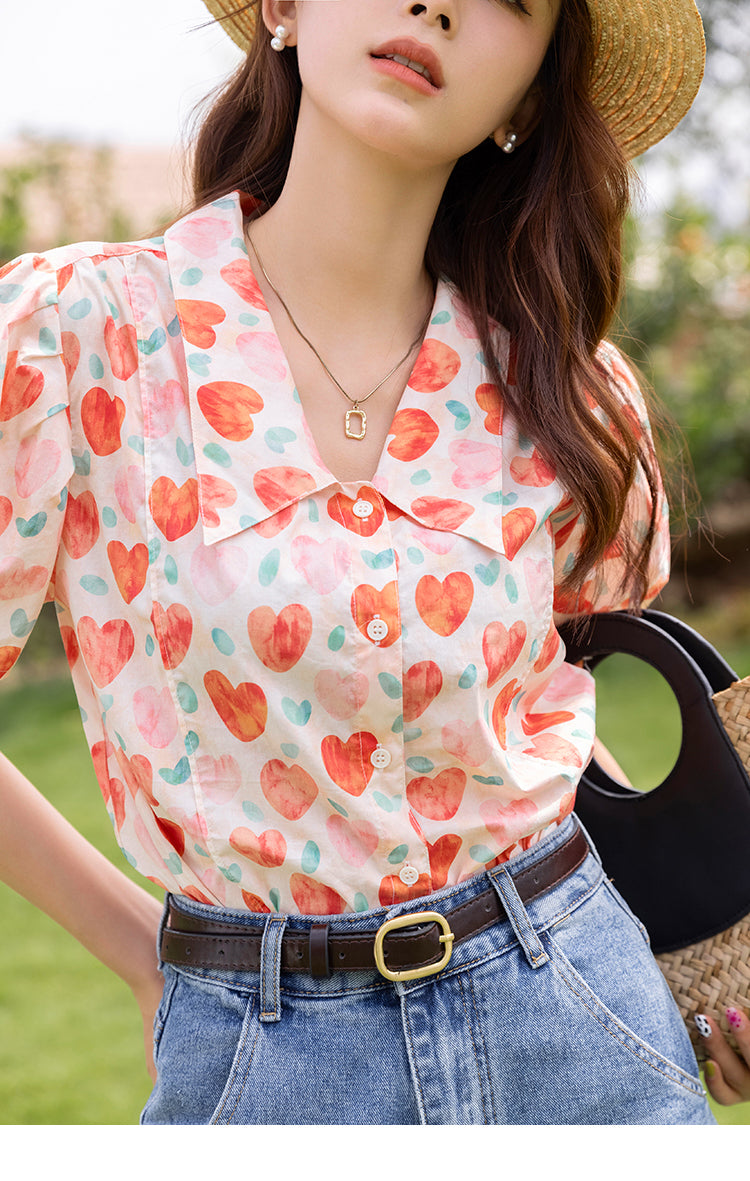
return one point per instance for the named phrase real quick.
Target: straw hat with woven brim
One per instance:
(647, 71)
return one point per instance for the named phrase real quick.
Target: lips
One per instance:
(413, 54)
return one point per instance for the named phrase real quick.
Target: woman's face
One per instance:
(482, 57)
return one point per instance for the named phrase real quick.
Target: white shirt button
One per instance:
(409, 875)
(377, 629)
(380, 758)
(363, 509)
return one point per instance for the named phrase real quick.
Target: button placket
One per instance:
(387, 758)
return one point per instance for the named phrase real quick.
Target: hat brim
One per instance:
(648, 65)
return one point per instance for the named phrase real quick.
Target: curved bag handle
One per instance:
(680, 854)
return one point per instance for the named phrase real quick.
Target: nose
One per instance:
(440, 12)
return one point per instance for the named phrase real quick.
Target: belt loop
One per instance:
(517, 916)
(319, 961)
(270, 968)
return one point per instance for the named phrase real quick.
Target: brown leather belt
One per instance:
(418, 951)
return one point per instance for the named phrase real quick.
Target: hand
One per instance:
(148, 996)
(727, 1073)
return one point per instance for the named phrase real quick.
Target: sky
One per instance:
(131, 76)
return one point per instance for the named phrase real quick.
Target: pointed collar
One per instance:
(442, 462)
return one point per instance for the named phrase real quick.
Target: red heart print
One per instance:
(115, 796)
(537, 723)
(548, 651)
(174, 631)
(442, 855)
(437, 797)
(242, 280)
(172, 833)
(22, 385)
(106, 650)
(267, 850)
(422, 683)
(289, 790)
(501, 648)
(367, 602)
(414, 433)
(138, 775)
(340, 510)
(348, 763)
(354, 840)
(532, 471)
(80, 530)
(228, 407)
(393, 890)
(244, 710)
(129, 567)
(435, 367)
(197, 317)
(71, 347)
(554, 749)
(439, 513)
(17, 579)
(8, 657)
(311, 897)
(102, 417)
(6, 513)
(444, 606)
(501, 709)
(508, 821)
(277, 486)
(280, 640)
(122, 349)
(174, 510)
(342, 696)
(100, 755)
(518, 525)
(70, 644)
(254, 903)
(214, 494)
(489, 400)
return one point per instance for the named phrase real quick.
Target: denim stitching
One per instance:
(474, 1049)
(230, 1083)
(640, 1049)
(412, 1060)
(470, 982)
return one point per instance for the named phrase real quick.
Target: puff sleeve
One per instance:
(35, 447)
(602, 590)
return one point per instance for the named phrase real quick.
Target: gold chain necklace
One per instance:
(356, 402)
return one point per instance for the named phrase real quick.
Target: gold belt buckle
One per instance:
(411, 920)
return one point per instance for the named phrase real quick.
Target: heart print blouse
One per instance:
(300, 695)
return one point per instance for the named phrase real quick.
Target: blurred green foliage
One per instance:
(687, 326)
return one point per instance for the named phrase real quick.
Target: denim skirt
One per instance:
(557, 1015)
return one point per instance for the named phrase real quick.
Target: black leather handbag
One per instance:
(680, 854)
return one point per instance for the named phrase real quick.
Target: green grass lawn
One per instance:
(70, 1033)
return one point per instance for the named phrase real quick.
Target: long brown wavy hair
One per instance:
(532, 241)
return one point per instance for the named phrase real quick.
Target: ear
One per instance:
(281, 12)
(524, 121)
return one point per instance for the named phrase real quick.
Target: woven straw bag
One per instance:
(680, 854)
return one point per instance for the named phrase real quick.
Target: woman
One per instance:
(308, 478)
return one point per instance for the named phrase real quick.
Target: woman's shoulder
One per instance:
(38, 280)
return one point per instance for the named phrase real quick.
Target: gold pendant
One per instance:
(362, 424)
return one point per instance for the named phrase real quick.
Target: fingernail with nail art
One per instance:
(702, 1025)
(734, 1018)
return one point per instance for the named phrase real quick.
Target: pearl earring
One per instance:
(277, 42)
(509, 144)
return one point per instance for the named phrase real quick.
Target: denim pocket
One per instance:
(600, 953)
(162, 1012)
(198, 1046)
